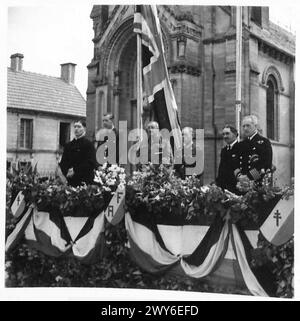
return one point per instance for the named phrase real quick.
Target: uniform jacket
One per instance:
(228, 163)
(255, 157)
(79, 154)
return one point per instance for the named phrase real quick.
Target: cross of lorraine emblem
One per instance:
(277, 217)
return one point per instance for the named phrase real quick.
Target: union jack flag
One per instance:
(156, 83)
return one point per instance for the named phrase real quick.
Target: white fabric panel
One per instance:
(182, 240)
(42, 222)
(74, 225)
(249, 278)
(253, 237)
(85, 244)
(210, 261)
(146, 241)
(29, 232)
(230, 252)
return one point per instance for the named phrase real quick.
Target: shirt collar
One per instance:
(250, 138)
(76, 138)
(231, 145)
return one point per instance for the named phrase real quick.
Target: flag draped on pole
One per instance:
(157, 86)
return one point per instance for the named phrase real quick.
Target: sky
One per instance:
(52, 34)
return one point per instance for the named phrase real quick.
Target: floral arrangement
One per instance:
(50, 193)
(160, 190)
(110, 177)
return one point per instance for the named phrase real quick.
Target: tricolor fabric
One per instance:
(56, 235)
(156, 81)
(279, 226)
(159, 243)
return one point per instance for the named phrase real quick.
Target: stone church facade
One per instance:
(200, 44)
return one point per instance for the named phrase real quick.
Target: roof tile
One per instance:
(28, 90)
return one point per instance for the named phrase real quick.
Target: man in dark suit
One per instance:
(153, 148)
(79, 160)
(228, 160)
(188, 150)
(256, 153)
(108, 127)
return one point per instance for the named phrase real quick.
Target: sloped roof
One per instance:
(32, 91)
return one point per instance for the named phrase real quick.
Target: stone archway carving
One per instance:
(119, 39)
(272, 70)
(115, 45)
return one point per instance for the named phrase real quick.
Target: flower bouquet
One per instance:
(50, 194)
(157, 189)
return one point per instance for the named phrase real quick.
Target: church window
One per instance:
(272, 107)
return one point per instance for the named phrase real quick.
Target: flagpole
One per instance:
(238, 76)
(139, 84)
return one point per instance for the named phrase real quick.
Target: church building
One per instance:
(200, 49)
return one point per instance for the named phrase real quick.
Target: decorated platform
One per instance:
(170, 226)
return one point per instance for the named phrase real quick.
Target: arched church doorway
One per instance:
(127, 83)
(127, 99)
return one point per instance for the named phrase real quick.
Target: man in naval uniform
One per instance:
(229, 160)
(255, 157)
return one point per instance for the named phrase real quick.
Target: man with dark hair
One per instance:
(79, 159)
(108, 121)
(228, 160)
(256, 152)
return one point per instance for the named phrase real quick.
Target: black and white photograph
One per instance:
(150, 150)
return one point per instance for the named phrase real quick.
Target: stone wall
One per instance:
(200, 51)
(45, 145)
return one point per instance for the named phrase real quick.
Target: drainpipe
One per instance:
(214, 126)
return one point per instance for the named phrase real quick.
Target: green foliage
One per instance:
(161, 191)
(50, 193)
(281, 262)
(158, 189)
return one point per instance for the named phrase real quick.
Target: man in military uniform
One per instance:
(255, 157)
(229, 160)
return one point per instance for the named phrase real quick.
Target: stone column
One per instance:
(116, 92)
